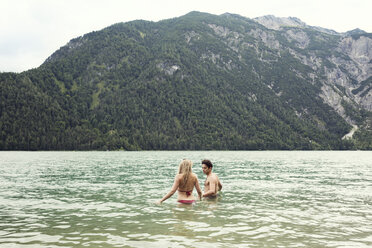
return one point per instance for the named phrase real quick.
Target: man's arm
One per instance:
(219, 185)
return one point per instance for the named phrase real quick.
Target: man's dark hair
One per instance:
(207, 163)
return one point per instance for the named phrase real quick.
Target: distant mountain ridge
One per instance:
(277, 23)
(199, 81)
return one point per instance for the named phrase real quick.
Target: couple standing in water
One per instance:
(186, 180)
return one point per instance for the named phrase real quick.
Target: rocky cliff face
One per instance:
(344, 69)
(357, 70)
(277, 23)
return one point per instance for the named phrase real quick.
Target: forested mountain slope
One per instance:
(199, 81)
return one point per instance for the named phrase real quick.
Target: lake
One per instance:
(107, 199)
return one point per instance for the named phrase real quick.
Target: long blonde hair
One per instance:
(185, 168)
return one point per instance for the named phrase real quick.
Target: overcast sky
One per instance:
(31, 30)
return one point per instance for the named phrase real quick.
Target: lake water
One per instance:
(106, 199)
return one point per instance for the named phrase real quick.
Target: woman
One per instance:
(184, 182)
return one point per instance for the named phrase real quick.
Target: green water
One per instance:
(106, 199)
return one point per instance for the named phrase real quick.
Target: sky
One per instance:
(31, 30)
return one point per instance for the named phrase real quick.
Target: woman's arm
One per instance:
(173, 189)
(198, 189)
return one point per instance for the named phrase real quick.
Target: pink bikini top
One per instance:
(187, 192)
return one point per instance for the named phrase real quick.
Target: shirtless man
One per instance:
(212, 184)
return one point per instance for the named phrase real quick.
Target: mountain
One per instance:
(199, 81)
(356, 31)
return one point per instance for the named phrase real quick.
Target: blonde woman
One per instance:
(184, 182)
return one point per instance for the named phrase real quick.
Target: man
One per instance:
(212, 184)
